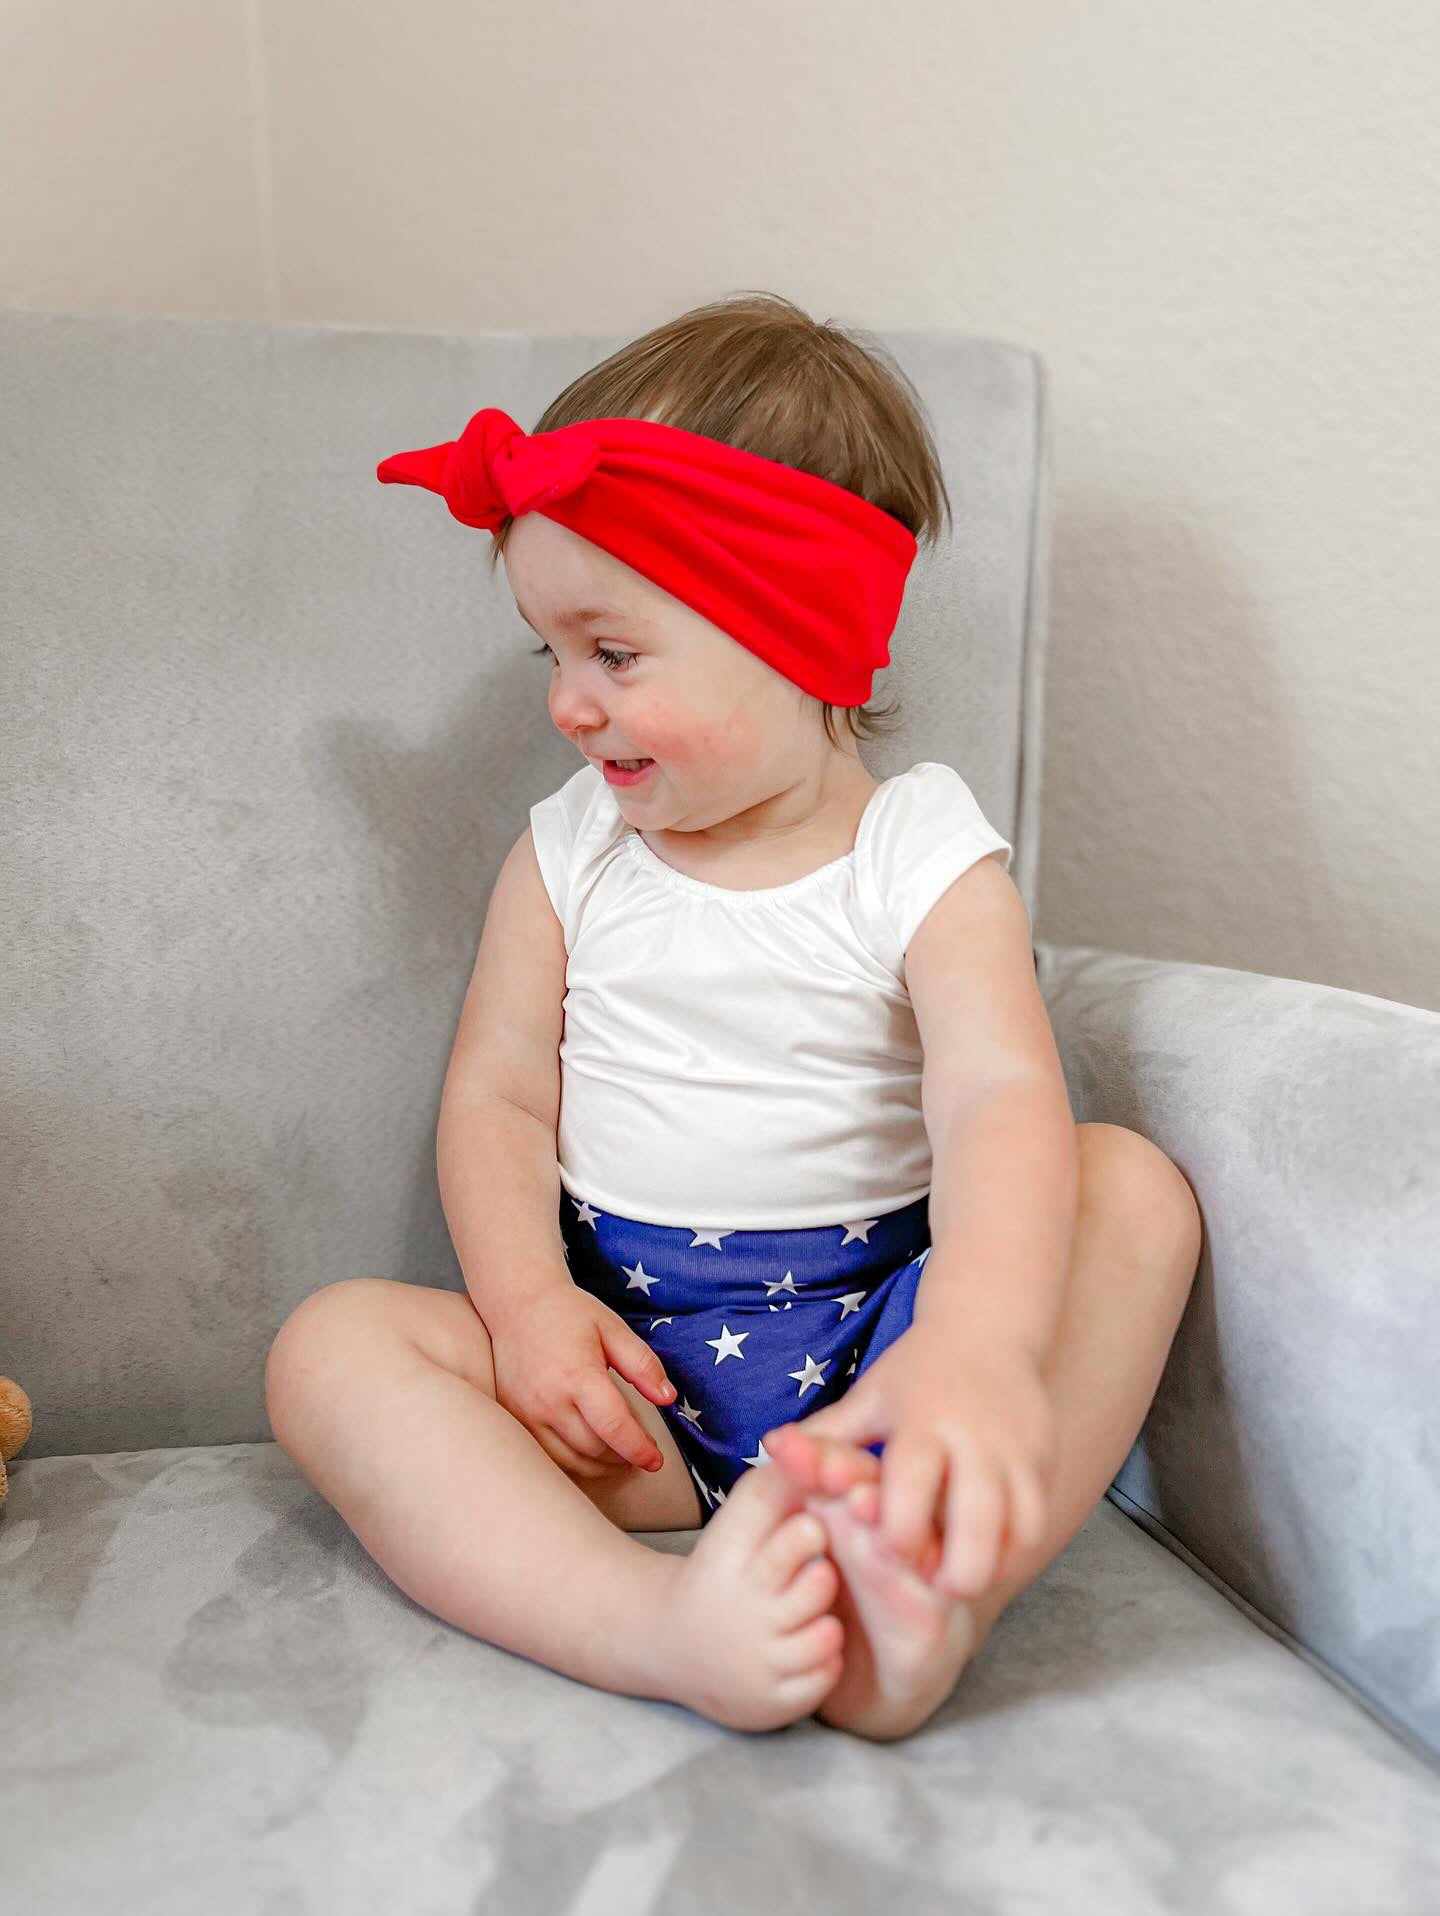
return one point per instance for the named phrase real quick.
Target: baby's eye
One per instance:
(613, 661)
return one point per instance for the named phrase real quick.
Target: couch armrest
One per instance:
(1292, 1453)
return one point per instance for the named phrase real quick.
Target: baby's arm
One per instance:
(502, 1203)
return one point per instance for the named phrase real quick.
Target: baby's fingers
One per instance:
(863, 1500)
(609, 1415)
(911, 1475)
(1030, 1503)
(975, 1512)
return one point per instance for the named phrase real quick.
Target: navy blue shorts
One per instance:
(754, 1328)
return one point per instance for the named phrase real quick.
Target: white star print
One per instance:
(813, 1373)
(638, 1279)
(727, 1344)
(780, 1294)
(860, 1228)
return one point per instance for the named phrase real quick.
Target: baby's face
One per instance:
(650, 678)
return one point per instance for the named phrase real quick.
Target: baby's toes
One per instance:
(843, 1465)
(795, 1452)
(864, 1501)
(864, 1504)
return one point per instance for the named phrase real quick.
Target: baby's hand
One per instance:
(825, 1466)
(835, 1467)
(553, 1355)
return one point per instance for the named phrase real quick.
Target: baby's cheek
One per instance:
(716, 743)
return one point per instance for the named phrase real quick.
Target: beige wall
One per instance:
(1217, 224)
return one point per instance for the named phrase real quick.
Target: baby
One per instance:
(754, 1144)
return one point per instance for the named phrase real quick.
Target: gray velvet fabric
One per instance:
(1292, 1444)
(214, 1701)
(266, 731)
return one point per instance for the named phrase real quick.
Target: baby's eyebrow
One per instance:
(582, 615)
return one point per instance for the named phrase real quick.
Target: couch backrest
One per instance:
(267, 729)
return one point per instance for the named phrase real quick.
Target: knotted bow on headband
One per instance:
(805, 573)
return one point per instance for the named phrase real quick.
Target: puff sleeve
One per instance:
(932, 831)
(555, 826)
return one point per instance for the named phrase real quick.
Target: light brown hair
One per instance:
(755, 371)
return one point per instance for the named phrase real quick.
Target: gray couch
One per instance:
(267, 729)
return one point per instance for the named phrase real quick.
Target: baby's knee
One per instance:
(315, 1335)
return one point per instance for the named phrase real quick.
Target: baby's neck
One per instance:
(772, 858)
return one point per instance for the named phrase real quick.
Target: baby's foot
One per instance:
(828, 1468)
(747, 1631)
(906, 1641)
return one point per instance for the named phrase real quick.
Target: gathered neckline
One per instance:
(752, 894)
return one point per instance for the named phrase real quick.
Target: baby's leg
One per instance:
(1137, 1243)
(383, 1394)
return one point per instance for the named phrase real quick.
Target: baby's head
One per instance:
(649, 677)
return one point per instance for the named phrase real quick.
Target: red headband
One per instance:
(805, 573)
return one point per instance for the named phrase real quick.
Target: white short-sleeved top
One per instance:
(747, 1060)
